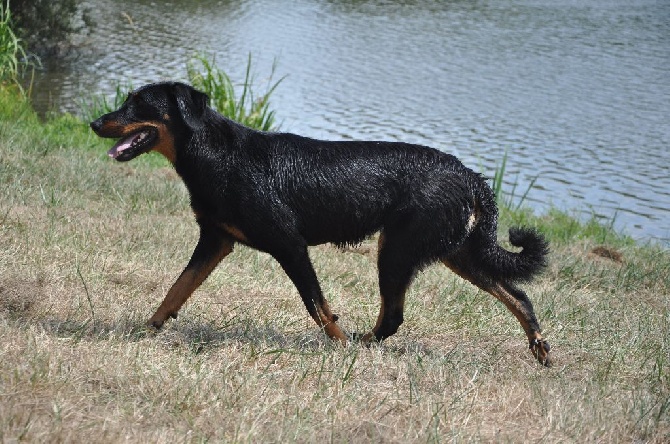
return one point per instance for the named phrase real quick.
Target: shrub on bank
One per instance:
(46, 25)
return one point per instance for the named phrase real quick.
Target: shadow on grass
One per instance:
(193, 335)
(23, 305)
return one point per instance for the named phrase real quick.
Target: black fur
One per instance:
(280, 192)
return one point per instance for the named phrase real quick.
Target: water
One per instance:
(577, 93)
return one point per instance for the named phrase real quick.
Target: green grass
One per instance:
(97, 105)
(11, 49)
(89, 247)
(506, 198)
(247, 108)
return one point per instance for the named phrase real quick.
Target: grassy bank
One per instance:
(89, 247)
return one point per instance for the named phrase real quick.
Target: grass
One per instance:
(248, 108)
(97, 105)
(11, 48)
(89, 247)
(506, 198)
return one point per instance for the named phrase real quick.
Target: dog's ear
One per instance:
(191, 104)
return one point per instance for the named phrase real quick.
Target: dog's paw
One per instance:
(150, 329)
(365, 338)
(156, 323)
(153, 326)
(540, 348)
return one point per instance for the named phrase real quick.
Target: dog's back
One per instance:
(345, 191)
(342, 192)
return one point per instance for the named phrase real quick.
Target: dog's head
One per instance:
(150, 119)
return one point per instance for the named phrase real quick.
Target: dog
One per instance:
(281, 193)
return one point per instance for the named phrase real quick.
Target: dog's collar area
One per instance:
(134, 144)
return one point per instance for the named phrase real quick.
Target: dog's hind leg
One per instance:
(212, 247)
(516, 301)
(299, 269)
(396, 271)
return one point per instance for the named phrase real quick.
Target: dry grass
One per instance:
(88, 248)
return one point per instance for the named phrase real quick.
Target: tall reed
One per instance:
(11, 48)
(248, 109)
(507, 198)
(97, 105)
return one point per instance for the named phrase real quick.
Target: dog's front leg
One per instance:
(299, 269)
(213, 246)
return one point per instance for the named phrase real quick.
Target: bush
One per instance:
(45, 25)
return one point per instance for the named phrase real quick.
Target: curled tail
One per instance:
(521, 266)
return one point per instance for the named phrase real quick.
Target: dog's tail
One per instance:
(496, 262)
(521, 266)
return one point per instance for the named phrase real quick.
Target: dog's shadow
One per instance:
(198, 337)
(20, 305)
(193, 336)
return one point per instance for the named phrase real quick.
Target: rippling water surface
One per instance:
(577, 93)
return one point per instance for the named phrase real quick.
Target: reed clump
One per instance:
(12, 53)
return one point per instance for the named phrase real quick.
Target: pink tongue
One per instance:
(120, 146)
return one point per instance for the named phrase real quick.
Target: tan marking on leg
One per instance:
(514, 305)
(181, 290)
(327, 321)
(370, 335)
(334, 332)
(538, 346)
(236, 233)
(380, 242)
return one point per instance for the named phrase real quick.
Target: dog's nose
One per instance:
(96, 125)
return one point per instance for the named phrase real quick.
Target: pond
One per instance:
(576, 93)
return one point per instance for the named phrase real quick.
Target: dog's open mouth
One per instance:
(133, 145)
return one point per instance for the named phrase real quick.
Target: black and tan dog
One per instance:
(280, 193)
